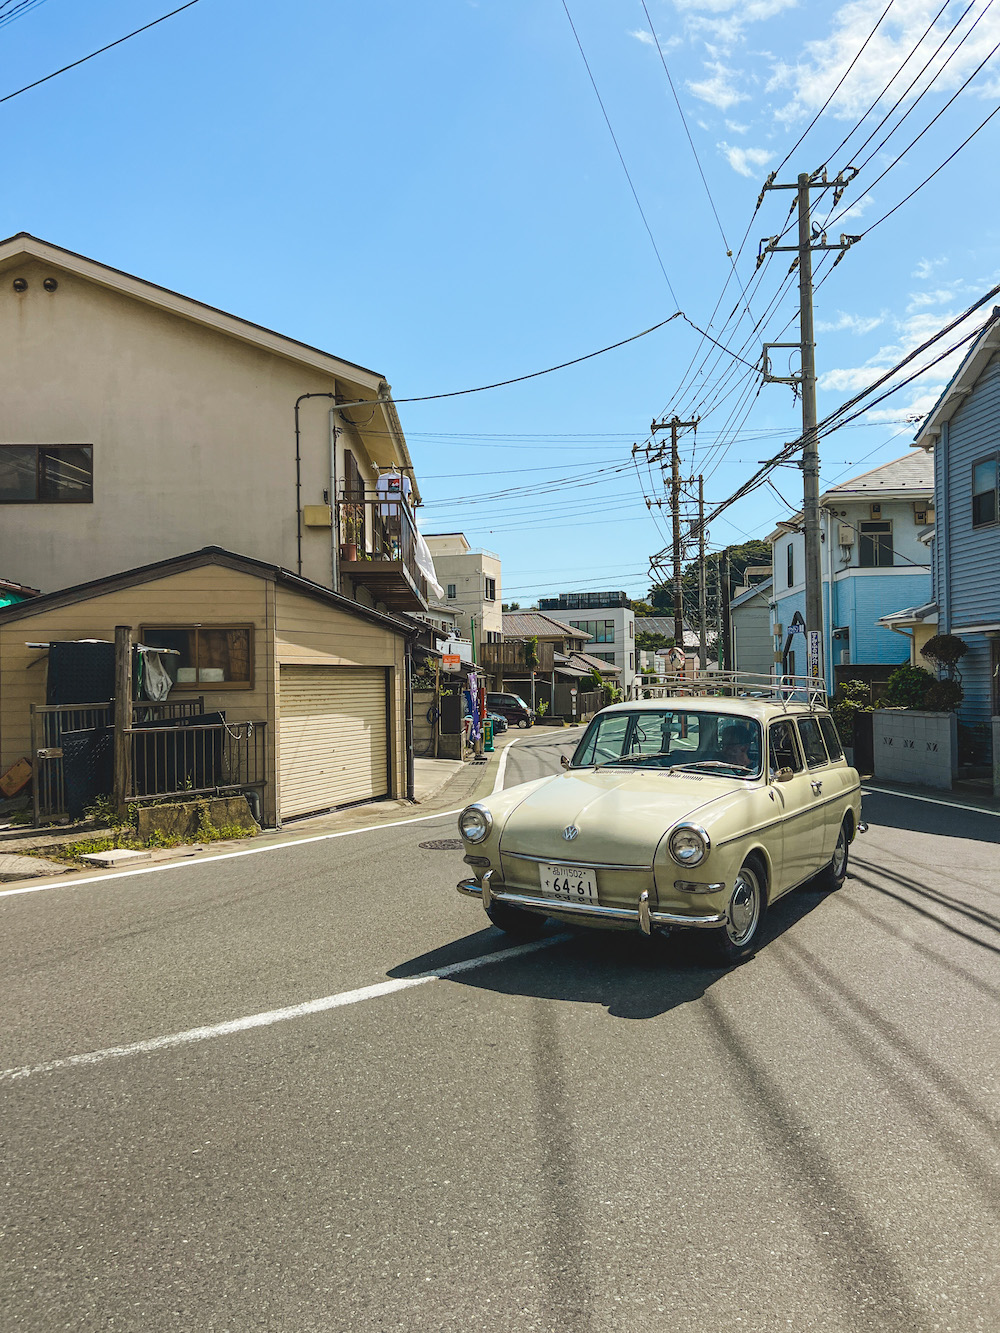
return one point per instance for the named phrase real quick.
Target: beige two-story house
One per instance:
(139, 424)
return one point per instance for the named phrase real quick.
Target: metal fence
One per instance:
(196, 759)
(51, 723)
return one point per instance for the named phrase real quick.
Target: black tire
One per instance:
(832, 876)
(515, 920)
(524, 723)
(744, 917)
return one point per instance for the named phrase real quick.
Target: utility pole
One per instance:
(805, 381)
(724, 630)
(676, 426)
(702, 592)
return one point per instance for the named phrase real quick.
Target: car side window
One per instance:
(782, 747)
(829, 730)
(812, 742)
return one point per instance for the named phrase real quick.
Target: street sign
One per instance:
(813, 644)
(451, 661)
(572, 690)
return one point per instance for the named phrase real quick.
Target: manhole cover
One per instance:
(443, 845)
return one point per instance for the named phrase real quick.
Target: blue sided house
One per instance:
(875, 558)
(962, 434)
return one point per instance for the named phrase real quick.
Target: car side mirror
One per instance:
(564, 761)
(784, 775)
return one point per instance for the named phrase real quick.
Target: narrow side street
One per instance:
(320, 1092)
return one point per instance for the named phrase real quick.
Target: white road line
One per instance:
(278, 1015)
(221, 856)
(502, 766)
(929, 800)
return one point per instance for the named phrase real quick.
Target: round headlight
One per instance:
(689, 845)
(474, 823)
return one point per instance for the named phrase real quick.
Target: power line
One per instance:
(83, 59)
(621, 157)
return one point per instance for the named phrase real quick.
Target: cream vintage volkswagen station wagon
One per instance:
(691, 811)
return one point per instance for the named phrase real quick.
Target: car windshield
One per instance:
(673, 738)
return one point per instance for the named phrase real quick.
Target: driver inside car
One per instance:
(735, 747)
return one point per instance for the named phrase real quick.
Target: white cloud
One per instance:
(926, 267)
(641, 35)
(921, 300)
(913, 331)
(747, 161)
(734, 128)
(857, 324)
(898, 46)
(719, 90)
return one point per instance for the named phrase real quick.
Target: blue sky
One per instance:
(432, 191)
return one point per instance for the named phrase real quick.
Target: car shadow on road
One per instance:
(631, 975)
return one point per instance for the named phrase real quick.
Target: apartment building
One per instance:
(471, 581)
(609, 620)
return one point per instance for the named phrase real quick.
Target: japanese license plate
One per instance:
(569, 883)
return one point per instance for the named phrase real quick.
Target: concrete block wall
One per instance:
(916, 747)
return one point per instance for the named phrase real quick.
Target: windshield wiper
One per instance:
(632, 758)
(710, 763)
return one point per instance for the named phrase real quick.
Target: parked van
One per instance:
(512, 707)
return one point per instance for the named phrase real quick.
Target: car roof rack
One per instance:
(784, 690)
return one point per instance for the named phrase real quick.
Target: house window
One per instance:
(875, 544)
(985, 507)
(603, 657)
(46, 474)
(491, 590)
(631, 661)
(451, 590)
(492, 636)
(603, 631)
(790, 564)
(217, 656)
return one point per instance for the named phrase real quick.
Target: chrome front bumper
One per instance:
(645, 917)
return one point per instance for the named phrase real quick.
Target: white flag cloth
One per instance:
(425, 563)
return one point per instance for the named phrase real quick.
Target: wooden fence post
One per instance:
(123, 717)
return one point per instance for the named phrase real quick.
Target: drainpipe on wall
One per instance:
(408, 712)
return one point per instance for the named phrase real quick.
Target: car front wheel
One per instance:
(835, 872)
(524, 723)
(744, 916)
(515, 920)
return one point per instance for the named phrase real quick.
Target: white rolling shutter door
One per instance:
(332, 736)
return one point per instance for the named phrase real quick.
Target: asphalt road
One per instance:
(595, 1135)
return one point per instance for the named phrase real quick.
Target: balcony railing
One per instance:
(378, 541)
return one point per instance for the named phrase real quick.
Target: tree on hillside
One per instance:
(661, 594)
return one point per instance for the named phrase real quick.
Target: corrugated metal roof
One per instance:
(585, 659)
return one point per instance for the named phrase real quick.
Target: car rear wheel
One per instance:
(744, 917)
(515, 921)
(833, 875)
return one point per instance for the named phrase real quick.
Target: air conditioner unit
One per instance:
(845, 534)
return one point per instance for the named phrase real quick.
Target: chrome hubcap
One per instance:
(744, 907)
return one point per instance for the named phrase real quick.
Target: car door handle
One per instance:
(817, 786)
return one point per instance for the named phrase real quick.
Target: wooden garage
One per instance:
(333, 736)
(322, 678)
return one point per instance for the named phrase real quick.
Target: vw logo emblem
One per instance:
(570, 832)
